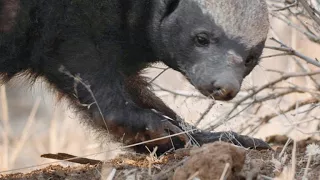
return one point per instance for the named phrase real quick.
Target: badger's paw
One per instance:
(161, 134)
(170, 137)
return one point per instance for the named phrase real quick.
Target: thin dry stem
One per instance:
(305, 174)
(225, 170)
(194, 175)
(112, 174)
(26, 132)
(6, 129)
(53, 135)
(293, 161)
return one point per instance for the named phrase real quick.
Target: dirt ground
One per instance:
(211, 161)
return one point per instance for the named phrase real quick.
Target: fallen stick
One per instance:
(71, 158)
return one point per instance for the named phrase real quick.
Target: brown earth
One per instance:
(207, 162)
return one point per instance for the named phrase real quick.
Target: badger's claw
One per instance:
(232, 137)
(175, 130)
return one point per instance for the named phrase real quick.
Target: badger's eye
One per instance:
(202, 40)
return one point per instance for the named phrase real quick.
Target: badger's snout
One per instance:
(224, 90)
(221, 82)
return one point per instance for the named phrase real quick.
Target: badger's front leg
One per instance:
(139, 90)
(116, 113)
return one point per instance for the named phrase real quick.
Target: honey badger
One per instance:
(107, 43)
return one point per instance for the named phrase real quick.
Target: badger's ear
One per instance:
(170, 7)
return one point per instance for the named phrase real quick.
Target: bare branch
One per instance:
(310, 11)
(293, 52)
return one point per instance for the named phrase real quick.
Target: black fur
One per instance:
(105, 44)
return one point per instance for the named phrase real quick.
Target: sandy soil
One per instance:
(207, 162)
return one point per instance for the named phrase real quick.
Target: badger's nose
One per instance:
(221, 90)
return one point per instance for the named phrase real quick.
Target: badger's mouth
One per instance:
(218, 94)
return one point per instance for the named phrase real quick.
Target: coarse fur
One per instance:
(93, 53)
(253, 13)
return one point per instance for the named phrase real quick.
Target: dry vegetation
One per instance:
(281, 96)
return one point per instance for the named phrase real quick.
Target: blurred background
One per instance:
(281, 96)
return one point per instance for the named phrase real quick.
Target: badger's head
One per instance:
(214, 43)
